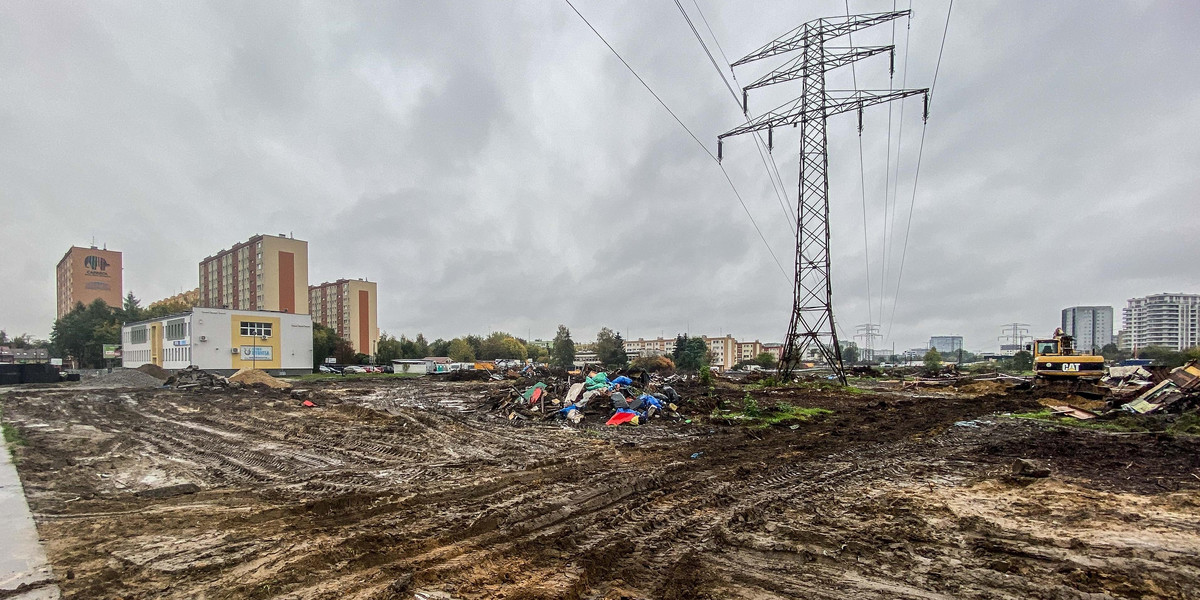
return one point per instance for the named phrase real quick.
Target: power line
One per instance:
(899, 145)
(862, 183)
(887, 172)
(689, 132)
(920, 152)
(758, 143)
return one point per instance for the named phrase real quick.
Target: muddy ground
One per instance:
(396, 489)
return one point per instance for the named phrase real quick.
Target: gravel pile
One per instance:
(122, 378)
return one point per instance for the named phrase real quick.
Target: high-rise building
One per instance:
(946, 344)
(85, 274)
(1167, 320)
(1091, 326)
(266, 272)
(349, 307)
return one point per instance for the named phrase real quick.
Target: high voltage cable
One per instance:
(899, 145)
(917, 171)
(862, 182)
(689, 132)
(887, 172)
(758, 143)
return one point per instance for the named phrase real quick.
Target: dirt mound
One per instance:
(983, 388)
(155, 371)
(123, 378)
(258, 376)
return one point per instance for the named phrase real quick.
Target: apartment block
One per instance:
(748, 351)
(266, 272)
(349, 307)
(1091, 326)
(86, 274)
(189, 298)
(723, 351)
(655, 347)
(1167, 320)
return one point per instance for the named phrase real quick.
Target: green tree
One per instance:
(765, 360)
(692, 354)
(460, 350)
(81, 333)
(562, 352)
(387, 349)
(345, 354)
(610, 349)
(162, 310)
(512, 348)
(132, 308)
(1112, 353)
(476, 344)
(653, 363)
(1163, 356)
(501, 345)
(849, 352)
(439, 347)
(933, 361)
(421, 346)
(536, 352)
(324, 343)
(1021, 361)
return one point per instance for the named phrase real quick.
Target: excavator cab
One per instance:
(1056, 358)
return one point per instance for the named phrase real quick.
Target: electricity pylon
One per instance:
(812, 308)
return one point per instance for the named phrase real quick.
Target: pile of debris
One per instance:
(1178, 392)
(194, 377)
(632, 399)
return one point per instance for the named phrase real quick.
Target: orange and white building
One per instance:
(266, 272)
(85, 274)
(351, 308)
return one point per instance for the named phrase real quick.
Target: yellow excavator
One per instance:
(1056, 361)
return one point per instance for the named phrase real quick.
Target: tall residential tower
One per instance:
(85, 274)
(266, 272)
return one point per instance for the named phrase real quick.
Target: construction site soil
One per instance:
(405, 489)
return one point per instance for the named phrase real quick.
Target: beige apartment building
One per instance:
(85, 274)
(748, 350)
(189, 298)
(266, 272)
(349, 307)
(724, 350)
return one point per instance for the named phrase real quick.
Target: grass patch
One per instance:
(1188, 424)
(819, 386)
(327, 376)
(752, 415)
(12, 436)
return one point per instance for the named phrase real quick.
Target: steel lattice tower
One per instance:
(812, 321)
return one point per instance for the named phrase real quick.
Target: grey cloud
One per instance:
(492, 165)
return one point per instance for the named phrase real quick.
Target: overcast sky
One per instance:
(494, 167)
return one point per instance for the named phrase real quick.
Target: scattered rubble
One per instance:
(195, 377)
(122, 378)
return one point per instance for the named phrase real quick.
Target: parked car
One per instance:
(327, 369)
(354, 369)
(389, 369)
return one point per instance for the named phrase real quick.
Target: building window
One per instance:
(138, 335)
(176, 329)
(252, 329)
